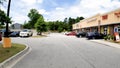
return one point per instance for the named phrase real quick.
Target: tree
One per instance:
(40, 26)
(51, 26)
(26, 25)
(65, 20)
(72, 21)
(4, 18)
(1, 1)
(81, 18)
(78, 19)
(34, 16)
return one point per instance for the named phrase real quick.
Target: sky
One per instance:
(53, 10)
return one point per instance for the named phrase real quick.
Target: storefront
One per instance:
(107, 23)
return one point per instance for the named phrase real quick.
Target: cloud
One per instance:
(3, 8)
(52, 10)
(31, 2)
(18, 18)
(42, 11)
(39, 1)
(85, 8)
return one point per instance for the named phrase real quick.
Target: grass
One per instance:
(6, 53)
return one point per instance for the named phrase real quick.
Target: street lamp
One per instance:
(7, 40)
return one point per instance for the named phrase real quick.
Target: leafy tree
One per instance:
(65, 20)
(72, 21)
(50, 25)
(34, 16)
(4, 18)
(1, 1)
(57, 26)
(78, 19)
(40, 25)
(81, 18)
(26, 25)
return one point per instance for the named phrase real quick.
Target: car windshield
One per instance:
(25, 30)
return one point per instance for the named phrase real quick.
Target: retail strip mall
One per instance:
(107, 23)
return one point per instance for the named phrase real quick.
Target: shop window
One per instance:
(104, 17)
(105, 30)
(119, 29)
(115, 29)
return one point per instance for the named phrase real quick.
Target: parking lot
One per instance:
(61, 51)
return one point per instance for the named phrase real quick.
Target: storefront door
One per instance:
(105, 30)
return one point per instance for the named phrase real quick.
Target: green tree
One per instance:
(26, 25)
(72, 21)
(4, 18)
(65, 20)
(51, 26)
(34, 16)
(1, 1)
(40, 26)
(81, 18)
(78, 19)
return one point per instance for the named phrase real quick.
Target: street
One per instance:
(60, 51)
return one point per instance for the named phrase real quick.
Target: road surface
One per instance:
(60, 51)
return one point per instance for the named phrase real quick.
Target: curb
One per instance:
(100, 43)
(14, 59)
(110, 44)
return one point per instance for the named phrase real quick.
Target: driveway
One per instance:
(60, 51)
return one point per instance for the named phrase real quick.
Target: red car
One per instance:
(71, 33)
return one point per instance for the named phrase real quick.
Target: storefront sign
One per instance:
(104, 17)
(117, 14)
(117, 37)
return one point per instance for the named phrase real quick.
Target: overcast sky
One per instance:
(53, 10)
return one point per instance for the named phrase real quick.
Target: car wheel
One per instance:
(27, 35)
(31, 34)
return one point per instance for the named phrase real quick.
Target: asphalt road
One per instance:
(60, 51)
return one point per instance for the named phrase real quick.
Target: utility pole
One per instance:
(7, 40)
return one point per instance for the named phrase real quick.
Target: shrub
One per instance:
(109, 37)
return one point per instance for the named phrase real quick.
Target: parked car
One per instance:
(3, 32)
(94, 35)
(81, 34)
(26, 33)
(71, 33)
(14, 34)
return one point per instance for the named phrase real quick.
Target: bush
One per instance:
(109, 37)
(105, 37)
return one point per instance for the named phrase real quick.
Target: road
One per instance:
(60, 51)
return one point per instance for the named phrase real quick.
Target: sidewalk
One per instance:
(107, 43)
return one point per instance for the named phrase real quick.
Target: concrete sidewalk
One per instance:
(107, 43)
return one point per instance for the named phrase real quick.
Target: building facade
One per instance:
(107, 23)
(16, 26)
